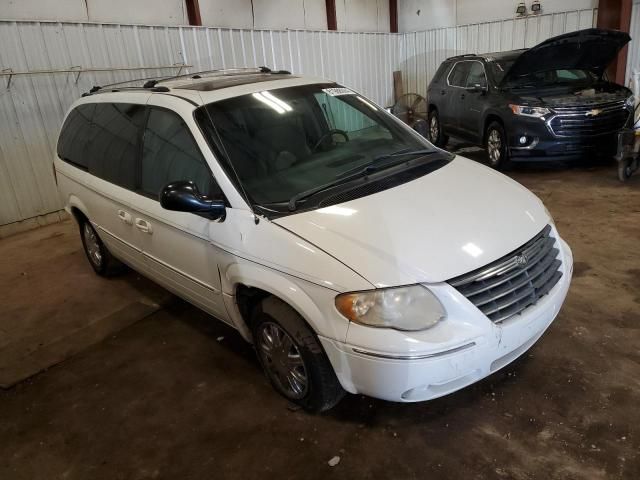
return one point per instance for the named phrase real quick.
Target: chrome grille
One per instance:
(576, 121)
(516, 281)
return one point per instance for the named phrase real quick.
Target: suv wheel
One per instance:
(99, 257)
(292, 357)
(436, 135)
(496, 145)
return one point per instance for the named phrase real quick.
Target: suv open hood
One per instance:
(592, 49)
(436, 227)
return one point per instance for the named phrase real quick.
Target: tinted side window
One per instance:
(439, 76)
(476, 75)
(458, 76)
(75, 134)
(113, 149)
(170, 153)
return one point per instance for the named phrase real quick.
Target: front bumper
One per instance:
(466, 347)
(543, 146)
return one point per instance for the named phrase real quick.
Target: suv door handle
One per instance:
(143, 226)
(443, 92)
(125, 217)
(462, 95)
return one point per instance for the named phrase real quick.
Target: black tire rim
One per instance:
(494, 146)
(282, 360)
(92, 245)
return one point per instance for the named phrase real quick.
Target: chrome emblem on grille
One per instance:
(521, 260)
(593, 113)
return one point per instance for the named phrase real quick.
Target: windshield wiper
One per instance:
(355, 173)
(378, 162)
(312, 191)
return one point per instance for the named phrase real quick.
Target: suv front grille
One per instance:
(582, 121)
(516, 281)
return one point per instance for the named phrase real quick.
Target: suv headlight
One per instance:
(630, 102)
(402, 308)
(525, 111)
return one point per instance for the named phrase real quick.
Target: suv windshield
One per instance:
(548, 78)
(291, 143)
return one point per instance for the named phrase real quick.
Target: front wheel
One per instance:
(496, 145)
(292, 357)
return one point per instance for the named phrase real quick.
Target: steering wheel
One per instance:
(327, 134)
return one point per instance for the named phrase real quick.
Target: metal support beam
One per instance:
(616, 15)
(193, 12)
(393, 16)
(332, 22)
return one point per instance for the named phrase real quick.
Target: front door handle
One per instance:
(443, 92)
(125, 217)
(143, 226)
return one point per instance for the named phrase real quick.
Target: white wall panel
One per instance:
(32, 109)
(633, 55)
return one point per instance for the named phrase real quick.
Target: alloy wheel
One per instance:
(434, 129)
(282, 360)
(92, 244)
(494, 147)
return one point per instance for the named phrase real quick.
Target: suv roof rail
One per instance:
(464, 56)
(152, 82)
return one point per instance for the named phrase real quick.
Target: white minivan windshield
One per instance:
(289, 143)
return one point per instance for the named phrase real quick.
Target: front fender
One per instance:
(314, 303)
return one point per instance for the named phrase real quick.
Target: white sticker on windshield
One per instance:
(335, 92)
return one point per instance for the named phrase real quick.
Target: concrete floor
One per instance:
(178, 395)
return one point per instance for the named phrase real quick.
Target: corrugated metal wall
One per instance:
(633, 56)
(32, 109)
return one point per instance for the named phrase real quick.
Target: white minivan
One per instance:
(355, 255)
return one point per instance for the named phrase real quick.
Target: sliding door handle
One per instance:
(125, 217)
(143, 226)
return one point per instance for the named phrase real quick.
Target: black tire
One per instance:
(497, 153)
(624, 170)
(322, 389)
(434, 129)
(100, 258)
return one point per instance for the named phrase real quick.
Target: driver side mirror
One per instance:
(184, 196)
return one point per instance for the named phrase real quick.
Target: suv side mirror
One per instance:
(183, 196)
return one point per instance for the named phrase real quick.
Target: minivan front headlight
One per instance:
(525, 111)
(409, 308)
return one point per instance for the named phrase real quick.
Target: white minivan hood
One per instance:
(444, 224)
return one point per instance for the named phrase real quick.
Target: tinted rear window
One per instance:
(75, 134)
(113, 147)
(439, 76)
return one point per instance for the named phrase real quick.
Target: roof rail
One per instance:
(152, 82)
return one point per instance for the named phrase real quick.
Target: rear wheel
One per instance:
(496, 145)
(292, 357)
(436, 135)
(99, 257)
